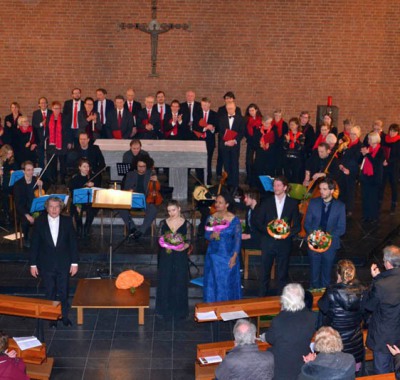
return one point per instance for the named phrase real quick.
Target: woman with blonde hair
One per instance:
(340, 308)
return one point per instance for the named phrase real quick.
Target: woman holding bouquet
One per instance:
(221, 267)
(172, 280)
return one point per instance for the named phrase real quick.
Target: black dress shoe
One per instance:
(53, 324)
(66, 322)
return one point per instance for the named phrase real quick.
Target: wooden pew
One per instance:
(386, 376)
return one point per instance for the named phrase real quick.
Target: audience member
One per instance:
(11, 367)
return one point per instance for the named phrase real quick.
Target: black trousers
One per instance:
(210, 144)
(230, 157)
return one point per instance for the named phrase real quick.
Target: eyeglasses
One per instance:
(141, 166)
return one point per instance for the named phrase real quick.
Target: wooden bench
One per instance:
(40, 371)
(246, 253)
(386, 376)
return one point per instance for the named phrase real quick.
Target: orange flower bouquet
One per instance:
(278, 229)
(319, 241)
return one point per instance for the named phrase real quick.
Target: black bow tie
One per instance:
(231, 116)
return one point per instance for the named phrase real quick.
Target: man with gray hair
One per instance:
(383, 301)
(246, 361)
(290, 333)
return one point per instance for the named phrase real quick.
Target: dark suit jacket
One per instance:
(222, 111)
(68, 112)
(142, 120)
(45, 254)
(267, 212)
(184, 110)
(136, 107)
(239, 126)
(23, 197)
(336, 225)
(131, 178)
(126, 124)
(86, 126)
(109, 107)
(212, 119)
(167, 116)
(92, 153)
(40, 132)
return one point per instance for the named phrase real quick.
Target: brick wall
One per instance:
(290, 54)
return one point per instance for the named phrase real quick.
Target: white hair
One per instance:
(292, 298)
(244, 332)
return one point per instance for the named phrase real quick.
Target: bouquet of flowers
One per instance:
(171, 241)
(319, 241)
(278, 229)
(216, 224)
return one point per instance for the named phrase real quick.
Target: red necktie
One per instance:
(75, 120)
(148, 115)
(130, 107)
(205, 117)
(162, 117)
(119, 119)
(101, 114)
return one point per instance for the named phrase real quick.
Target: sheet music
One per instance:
(229, 316)
(207, 316)
(27, 342)
(210, 359)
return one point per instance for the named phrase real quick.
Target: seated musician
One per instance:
(138, 181)
(80, 180)
(317, 163)
(134, 152)
(11, 367)
(251, 237)
(23, 197)
(86, 150)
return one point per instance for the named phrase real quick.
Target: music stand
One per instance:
(38, 204)
(123, 168)
(112, 199)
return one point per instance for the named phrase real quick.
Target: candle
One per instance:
(329, 101)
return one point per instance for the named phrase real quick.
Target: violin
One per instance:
(39, 192)
(153, 193)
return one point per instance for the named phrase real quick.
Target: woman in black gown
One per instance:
(172, 279)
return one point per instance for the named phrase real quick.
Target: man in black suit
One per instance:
(138, 181)
(251, 238)
(205, 125)
(54, 253)
(148, 121)
(163, 109)
(229, 97)
(231, 131)
(70, 113)
(278, 206)
(308, 132)
(132, 105)
(40, 120)
(119, 121)
(191, 110)
(103, 106)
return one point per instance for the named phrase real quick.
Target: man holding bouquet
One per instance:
(282, 211)
(329, 215)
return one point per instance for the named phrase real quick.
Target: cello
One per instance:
(153, 192)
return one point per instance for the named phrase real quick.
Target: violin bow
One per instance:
(45, 168)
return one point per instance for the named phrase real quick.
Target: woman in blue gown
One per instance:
(221, 268)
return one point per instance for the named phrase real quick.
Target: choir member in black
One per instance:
(331, 140)
(190, 110)
(294, 156)
(173, 124)
(266, 152)
(60, 141)
(23, 198)
(40, 121)
(371, 177)
(89, 120)
(231, 131)
(11, 124)
(119, 122)
(308, 132)
(282, 129)
(324, 132)
(164, 111)
(78, 181)
(134, 152)
(172, 276)
(377, 126)
(391, 165)
(24, 142)
(89, 151)
(317, 163)
(138, 181)
(327, 120)
(205, 125)
(344, 136)
(148, 121)
(229, 97)
(254, 121)
(132, 106)
(7, 165)
(251, 238)
(348, 170)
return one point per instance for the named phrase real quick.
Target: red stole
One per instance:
(319, 140)
(252, 124)
(279, 126)
(293, 139)
(55, 132)
(387, 148)
(352, 143)
(368, 168)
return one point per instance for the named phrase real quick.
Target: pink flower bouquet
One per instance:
(172, 242)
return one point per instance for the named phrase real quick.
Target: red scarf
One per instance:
(319, 140)
(55, 132)
(352, 143)
(391, 140)
(279, 126)
(252, 124)
(293, 139)
(29, 129)
(267, 136)
(345, 133)
(368, 169)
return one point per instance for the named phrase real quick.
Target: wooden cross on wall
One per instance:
(154, 28)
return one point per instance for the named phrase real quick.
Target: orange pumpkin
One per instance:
(129, 279)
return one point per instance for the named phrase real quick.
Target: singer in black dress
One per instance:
(172, 279)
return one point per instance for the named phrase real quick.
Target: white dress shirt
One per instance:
(279, 206)
(54, 224)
